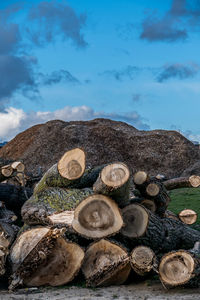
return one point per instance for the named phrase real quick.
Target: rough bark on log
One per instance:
(40, 206)
(7, 236)
(114, 181)
(105, 263)
(14, 196)
(52, 178)
(182, 182)
(42, 256)
(142, 260)
(188, 216)
(6, 215)
(169, 214)
(97, 216)
(160, 234)
(181, 268)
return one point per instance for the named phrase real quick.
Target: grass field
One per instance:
(185, 198)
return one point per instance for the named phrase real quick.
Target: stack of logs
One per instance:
(101, 223)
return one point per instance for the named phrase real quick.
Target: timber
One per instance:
(142, 260)
(142, 227)
(18, 166)
(38, 208)
(182, 182)
(97, 216)
(188, 216)
(181, 268)
(105, 263)
(113, 181)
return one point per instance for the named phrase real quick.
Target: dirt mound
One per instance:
(157, 151)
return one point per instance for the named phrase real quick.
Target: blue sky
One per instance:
(133, 61)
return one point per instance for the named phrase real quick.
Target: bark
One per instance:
(114, 181)
(182, 182)
(105, 263)
(181, 268)
(97, 216)
(52, 178)
(160, 234)
(14, 196)
(41, 206)
(42, 256)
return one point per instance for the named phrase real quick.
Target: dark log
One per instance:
(106, 263)
(114, 181)
(182, 182)
(181, 268)
(152, 189)
(52, 178)
(7, 235)
(6, 215)
(160, 234)
(171, 215)
(97, 216)
(142, 260)
(14, 196)
(41, 206)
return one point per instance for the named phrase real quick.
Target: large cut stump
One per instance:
(180, 268)
(113, 181)
(142, 227)
(96, 217)
(142, 260)
(41, 256)
(48, 202)
(106, 263)
(152, 189)
(182, 182)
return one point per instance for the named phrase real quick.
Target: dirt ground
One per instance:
(140, 291)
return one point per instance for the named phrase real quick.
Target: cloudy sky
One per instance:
(128, 60)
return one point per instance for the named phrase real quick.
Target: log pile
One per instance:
(101, 223)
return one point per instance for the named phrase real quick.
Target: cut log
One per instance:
(105, 263)
(180, 268)
(160, 234)
(188, 216)
(150, 204)
(96, 217)
(72, 164)
(182, 182)
(142, 260)
(42, 256)
(40, 206)
(7, 171)
(14, 196)
(6, 215)
(152, 189)
(113, 181)
(7, 236)
(171, 215)
(52, 178)
(18, 166)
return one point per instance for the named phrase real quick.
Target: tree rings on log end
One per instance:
(135, 219)
(194, 180)
(176, 268)
(105, 264)
(115, 175)
(188, 216)
(149, 204)
(142, 260)
(152, 189)
(97, 216)
(61, 266)
(140, 177)
(72, 164)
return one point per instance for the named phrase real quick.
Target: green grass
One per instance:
(185, 198)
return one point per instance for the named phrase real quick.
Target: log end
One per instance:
(188, 216)
(115, 175)
(142, 260)
(140, 177)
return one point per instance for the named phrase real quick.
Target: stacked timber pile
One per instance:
(102, 223)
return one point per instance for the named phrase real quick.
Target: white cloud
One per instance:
(14, 120)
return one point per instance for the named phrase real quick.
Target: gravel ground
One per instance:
(141, 291)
